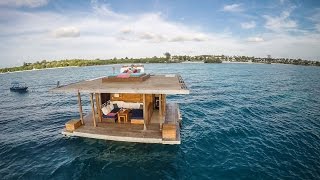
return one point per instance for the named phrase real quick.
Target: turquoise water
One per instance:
(241, 121)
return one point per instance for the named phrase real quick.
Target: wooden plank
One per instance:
(80, 108)
(123, 132)
(127, 97)
(157, 84)
(169, 131)
(137, 121)
(144, 112)
(160, 110)
(98, 104)
(92, 108)
(164, 103)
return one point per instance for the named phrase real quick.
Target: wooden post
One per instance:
(144, 112)
(98, 104)
(80, 107)
(164, 105)
(93, 113)
(160, 110)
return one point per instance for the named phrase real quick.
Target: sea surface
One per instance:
(240, 121)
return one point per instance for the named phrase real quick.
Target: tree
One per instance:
(168, 55)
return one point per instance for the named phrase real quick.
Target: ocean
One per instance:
(240, 121)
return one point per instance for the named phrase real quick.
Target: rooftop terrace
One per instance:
(155, 84)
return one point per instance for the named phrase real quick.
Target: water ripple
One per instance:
(239, 122)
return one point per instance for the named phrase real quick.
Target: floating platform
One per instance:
(130, 132)
(115, 101)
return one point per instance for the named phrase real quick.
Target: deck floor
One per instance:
(126, 131)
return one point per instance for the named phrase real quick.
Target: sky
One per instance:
(35, 30)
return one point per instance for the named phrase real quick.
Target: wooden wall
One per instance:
(163, 103)
(149, 107)
(128, 97)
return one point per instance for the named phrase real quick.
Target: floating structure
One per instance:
(18, 87)
(130, 106)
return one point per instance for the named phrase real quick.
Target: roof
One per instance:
(156, 84)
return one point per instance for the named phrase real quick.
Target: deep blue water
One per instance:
(241, 121)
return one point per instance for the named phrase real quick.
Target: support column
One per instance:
(160, 110)
(164, 105)
(144, 112)
(92, 108)
(80, 108)
(98, 104)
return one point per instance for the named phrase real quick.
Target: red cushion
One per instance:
(111, 114)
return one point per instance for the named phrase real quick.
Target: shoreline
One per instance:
(184, 62)
(192, 62)
(30, 70)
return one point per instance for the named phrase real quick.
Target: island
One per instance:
(167, 58)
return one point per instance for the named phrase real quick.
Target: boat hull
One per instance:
(24, 89)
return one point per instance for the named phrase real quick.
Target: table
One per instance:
(123, 114)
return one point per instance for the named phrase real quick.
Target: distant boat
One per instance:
(18, 87)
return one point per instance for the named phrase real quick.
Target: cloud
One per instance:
(280, 23)
(315, 18)
(24, 3)
(148, 36)
(255, 39)
(65, 32)
(189, 37)
(104, 10)
(157, 37)
(318, 27)
(233, 8)
(248, 25)
(126, 30)
(106, 34)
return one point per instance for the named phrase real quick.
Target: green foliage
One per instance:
(80, 62)
(168, 59)
(212, 61)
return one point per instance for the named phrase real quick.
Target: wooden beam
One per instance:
(80, 107)
(164, 105)
(92, 108)
(98, 104)
(144, 112)
(160, 110)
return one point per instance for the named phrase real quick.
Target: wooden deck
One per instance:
(155, 84)
(128, 132)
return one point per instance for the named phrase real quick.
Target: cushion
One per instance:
(119, 103)
(115, 110)
(137, 114)
(111, 106)
(125, 105)
(105, 110)
(123, 75)
(111, 114)
(128, 105)
(115, 106)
